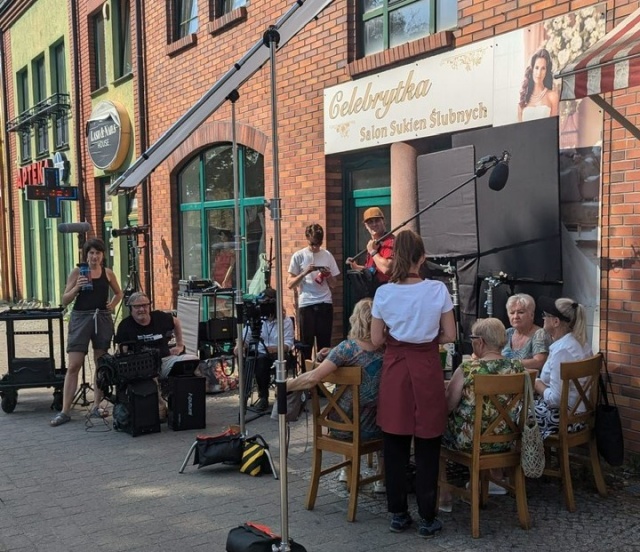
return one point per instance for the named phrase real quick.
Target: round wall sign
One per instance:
(108, 135)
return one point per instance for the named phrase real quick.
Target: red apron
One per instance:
(411, 399)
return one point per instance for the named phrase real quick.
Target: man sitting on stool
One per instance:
(266, 350)
(153, 329)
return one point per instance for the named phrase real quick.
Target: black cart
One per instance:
(30, 372)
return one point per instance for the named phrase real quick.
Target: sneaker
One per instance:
(446, 505)
(379, 487)
(429, 529)
(400, 522)
(494, 489)
(342, 475)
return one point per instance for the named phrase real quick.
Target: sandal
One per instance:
(97, 412)
(59, 419)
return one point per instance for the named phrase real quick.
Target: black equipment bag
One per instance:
(186, 402)
(363, 282)
(226, 447)
(252, 537)
(135, 410)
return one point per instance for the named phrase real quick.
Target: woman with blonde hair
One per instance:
(565, 323)
(357, 350)
(525, 340)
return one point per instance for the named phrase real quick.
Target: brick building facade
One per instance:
(184, 54)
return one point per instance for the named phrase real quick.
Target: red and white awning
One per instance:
(612, 63)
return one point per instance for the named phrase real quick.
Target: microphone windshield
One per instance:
(499, 176)
(71, 227)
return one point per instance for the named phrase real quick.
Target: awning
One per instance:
(612, 63)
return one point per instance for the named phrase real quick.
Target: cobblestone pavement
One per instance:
(74, 488)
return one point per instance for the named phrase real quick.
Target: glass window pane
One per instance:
(365, 179)
(409, 23)
(218, 173)
(189, 182)
(253, 173)
(447, 14)
(222, 257)
(255, 243)
(370, 5)
(372, 40)
(191, 244)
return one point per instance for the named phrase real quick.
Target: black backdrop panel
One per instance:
(519, 226)
(449, 228)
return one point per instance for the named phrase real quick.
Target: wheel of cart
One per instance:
(9, 401)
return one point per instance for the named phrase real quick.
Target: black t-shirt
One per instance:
(155, 335)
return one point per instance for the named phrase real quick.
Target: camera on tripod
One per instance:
(130, 230)
(258, 308)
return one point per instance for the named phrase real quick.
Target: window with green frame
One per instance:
(207, 216)
(385, 24)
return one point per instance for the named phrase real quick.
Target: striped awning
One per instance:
(612, 63)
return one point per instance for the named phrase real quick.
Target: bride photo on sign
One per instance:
(538, 99)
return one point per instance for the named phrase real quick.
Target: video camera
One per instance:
(257, 308)
(129, 230)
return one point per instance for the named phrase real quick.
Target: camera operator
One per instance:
(261, 341)
(152, 329)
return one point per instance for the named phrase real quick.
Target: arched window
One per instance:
(207, 224)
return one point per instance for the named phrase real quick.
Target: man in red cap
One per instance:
(379, 255)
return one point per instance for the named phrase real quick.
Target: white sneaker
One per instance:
(494, 489)
(379, 487)
(342, 475)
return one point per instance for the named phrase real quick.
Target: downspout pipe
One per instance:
(7, 200)
(141, 77)
(77, 107)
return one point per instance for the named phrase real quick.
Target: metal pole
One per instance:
(233, 97)
(271, 39)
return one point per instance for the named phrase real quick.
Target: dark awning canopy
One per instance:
(612, 63)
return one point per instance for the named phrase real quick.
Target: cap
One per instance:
(548, 305)
(372, 212)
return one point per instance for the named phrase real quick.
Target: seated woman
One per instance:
(525, 341)
(487, 339)
(357, 349)
(565, 322)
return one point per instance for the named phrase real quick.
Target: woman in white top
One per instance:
(565, 323)
(537, 97)
(412, 317)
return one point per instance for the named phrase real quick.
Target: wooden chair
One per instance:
(505, 392)
(331, 417)
(583, 376)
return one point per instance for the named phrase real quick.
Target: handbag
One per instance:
(252, 537)
(225, 447)
(532, 457)
(608, 427)
(255, 459)
(296, 404)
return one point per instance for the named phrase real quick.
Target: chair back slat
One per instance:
(582, 377)
(505, 392)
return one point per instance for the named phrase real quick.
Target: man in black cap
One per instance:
(379, 255)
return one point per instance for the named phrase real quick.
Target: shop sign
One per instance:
(108, 135)
(32, 174)
(445, 93)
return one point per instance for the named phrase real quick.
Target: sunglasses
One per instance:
(475, 337)
(140, 306)
(547, 315)
(315, 244)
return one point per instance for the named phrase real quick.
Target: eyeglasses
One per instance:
(140, 306)
(475, 337)
(315, 243)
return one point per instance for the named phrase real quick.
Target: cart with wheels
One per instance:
(31, 372)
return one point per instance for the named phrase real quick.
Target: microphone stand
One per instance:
(480, 171)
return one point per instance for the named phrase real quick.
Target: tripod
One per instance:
(252, 359)
(81, 394)
(132, 283)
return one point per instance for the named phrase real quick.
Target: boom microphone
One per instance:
(71, 227)
(500, 173)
